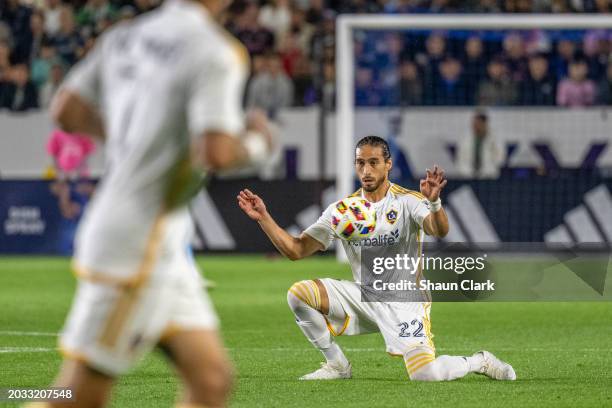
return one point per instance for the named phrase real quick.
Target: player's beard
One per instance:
(371, 187)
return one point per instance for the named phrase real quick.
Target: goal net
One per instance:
(516, 109)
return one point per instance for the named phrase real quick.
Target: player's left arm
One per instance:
(436, 222)
(74, 107)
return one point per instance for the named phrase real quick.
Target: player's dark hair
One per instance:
(375, 141)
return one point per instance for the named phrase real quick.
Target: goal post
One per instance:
(347, 24)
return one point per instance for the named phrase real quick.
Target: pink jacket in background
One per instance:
(70, 151)
(575, 94)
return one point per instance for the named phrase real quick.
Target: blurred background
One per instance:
(520, 120)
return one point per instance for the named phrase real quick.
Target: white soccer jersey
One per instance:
(169, 75)
(399, 215)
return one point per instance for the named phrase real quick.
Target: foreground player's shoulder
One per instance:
(215, 44)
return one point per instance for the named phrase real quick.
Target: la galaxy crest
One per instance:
(392, 216)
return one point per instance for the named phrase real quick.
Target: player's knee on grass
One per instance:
(302, 293)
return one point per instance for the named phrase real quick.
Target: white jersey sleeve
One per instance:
(85, 77)
(215, 96)
(322, 229)
(417, 207)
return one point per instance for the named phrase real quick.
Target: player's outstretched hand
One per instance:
(433, 183)
(252, 205)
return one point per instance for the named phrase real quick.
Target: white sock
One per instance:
(313, 325)
(423, 366)
(475, 362)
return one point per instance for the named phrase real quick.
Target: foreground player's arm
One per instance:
(292, 247)
(73, 114)
(74, 107)
(220, 150)
(436, 223)
(222, 138)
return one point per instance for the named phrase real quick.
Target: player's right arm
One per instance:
(222, 138)
(292, 247)
(75, 106)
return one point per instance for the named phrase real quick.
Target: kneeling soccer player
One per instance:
(325, 308)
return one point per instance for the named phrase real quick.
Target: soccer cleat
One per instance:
(329, 372)
(494, 368)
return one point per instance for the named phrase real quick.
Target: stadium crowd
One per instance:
(292, 47)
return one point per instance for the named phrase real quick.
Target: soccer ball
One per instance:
(353, 219)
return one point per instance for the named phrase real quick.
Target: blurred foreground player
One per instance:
(164, 93)
(324, 308)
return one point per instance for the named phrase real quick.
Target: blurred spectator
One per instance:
(483, 6)
(247, 29)
(67, 41)
(30, 44)
(70, 153)
(558, 6)
(539, 87)
(595, 49)
(411, 86)
(576, 90)
(20, 94)
(5, 33)
(479, 154)
(498, 88)
(5, 61)
(514, 50)
(17, 17)
(324, 39)
(52, 12)
(605, 88)
(365, 90)
(450, 88)
(276, 17)
(270, 89)
(518, 6)
(52, 85)
(474, 64)
(290, 52)
(41, 65)
(360, 6)
(328, 89)
(565, 53)
(435, 48)
(304, 92)
(443, 6)
(301, 29)
(94, 12)
(314, 14)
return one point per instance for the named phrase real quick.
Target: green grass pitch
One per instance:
(562, 352)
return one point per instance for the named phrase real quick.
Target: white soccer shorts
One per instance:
(110, 327)
(404, 326)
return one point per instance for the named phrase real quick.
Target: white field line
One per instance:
(27, 333)
(7, 350)
(302, 349)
